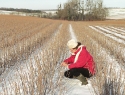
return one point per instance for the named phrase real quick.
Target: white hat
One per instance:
(72, 43)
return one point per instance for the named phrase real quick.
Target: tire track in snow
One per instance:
(72, 32)
(122, 54)
(111, 65)
(114, 30)
(75, 85)
(104, 51)
(108, 35)
(118, 29)
(113, 33)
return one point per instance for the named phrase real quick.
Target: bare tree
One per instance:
(75, 10)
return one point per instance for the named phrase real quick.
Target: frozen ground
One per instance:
(76, 88)
(73, 86)
(113, 13)
(116, 14)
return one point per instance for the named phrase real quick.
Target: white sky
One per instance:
(50, 4)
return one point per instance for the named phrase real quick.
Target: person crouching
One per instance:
(80, 64)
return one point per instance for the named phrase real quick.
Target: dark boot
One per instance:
(82, 79)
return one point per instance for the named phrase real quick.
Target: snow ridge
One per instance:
(75, 85)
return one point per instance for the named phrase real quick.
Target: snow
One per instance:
(72, 32)
(116, 34)
(118, 29)
(7, 12)
(11, 76)
(113, 35)
(108, 35)
(113, 13)
(75, 85)
(112, 64)
(116, 14)
(77, 89)
(120, 39)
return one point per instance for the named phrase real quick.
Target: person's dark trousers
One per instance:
(76, 72)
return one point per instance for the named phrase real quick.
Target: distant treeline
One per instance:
(21, 10)
(82, 10)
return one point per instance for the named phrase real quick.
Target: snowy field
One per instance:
(113, 13)
(116, 14)
(13, 74)
(40, 72)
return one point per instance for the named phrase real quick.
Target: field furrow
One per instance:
(31, 50)
(116, 34)
(119, 29)
(110, 35)
(109, 61)
(115, 31)
(114, 45)
(21, 43)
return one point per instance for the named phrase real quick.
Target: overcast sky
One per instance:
(50, 4)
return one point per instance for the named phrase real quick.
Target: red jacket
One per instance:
(84, 60)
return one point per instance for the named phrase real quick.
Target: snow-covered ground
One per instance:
(114, 33)
(118, 35)
(12, 75)
(111, 32)
(16, 13)
(76, 87)
(116, 14)
(6, 12)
